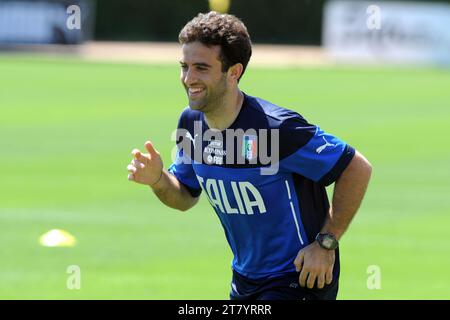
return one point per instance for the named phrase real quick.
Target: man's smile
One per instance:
(195, 92)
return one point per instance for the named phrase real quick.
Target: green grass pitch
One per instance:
(66, 132)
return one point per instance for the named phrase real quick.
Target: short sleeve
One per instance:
(182, 169)
(316, 155)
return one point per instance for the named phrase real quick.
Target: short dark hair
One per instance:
(226, 30)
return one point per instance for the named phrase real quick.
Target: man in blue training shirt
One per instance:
(263, 168)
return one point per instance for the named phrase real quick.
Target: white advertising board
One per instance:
(387, 32)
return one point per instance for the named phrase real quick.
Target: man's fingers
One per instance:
(321, 281)
(329, 276)
(151, 150)
(137, 164)
(298, 262)
(131, 176)
(137, 154)
(302, 278)
(311, 280)
(131, 168)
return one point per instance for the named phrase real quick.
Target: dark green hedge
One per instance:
(268, 21)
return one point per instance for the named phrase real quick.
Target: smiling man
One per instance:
(282, 231)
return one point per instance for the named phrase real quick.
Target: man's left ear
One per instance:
(235, 71)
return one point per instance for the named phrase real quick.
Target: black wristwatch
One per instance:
(327, 241)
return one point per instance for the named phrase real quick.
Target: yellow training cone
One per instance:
(57, 238)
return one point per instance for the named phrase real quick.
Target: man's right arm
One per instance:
(173, 193)
(148, 169)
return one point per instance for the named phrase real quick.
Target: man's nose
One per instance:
(189, 77)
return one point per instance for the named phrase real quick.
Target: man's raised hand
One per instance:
(145, 168)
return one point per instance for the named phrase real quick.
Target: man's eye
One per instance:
(202, 68)
(184, 67)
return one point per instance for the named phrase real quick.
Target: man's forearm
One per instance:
(348, 193)
(172, 193)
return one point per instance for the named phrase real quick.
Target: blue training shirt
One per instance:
(267, 218)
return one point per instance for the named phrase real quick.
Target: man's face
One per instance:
(202, 76)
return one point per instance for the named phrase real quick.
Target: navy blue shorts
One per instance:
(281, 288)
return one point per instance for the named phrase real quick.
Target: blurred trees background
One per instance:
(280, 21)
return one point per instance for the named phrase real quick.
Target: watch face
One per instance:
(328, 242)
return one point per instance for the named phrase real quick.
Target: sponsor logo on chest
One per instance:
(214, 152)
